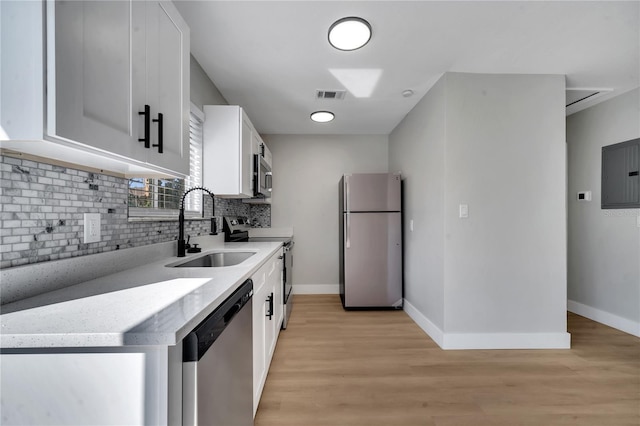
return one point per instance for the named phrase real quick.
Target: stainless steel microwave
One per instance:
(261, 177)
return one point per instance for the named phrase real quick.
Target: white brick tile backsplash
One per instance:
(19, 184)
(13, 161)
(19, 247)
(43, 207)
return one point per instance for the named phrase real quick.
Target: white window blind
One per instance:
(193, 202)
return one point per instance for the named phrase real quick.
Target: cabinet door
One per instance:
(91, 97)
(275, 277)
(167, 85)
(259, 323)
(270, 335)
(246, 157)
(227, 151)
(263, 340)
(266, 302)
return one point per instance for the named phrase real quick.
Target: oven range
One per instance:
(236, 229)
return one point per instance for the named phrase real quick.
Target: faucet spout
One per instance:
(181, 241)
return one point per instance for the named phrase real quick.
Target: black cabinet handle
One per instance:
(147, 126)
(633, 173)
(160, 122)
(270, 310)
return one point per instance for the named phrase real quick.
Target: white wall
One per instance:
(505, 157)
(306, 173)
(416, 148)
(503, 268)
(604, 245)
(203, 91)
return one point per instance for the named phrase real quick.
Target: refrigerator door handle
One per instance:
(347, 231)
(346, 192)
(346, 208)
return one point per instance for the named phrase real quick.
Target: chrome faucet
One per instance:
(181, 242)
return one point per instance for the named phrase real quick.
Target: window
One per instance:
(161, 197)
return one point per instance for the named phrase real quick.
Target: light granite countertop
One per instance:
(150, 304)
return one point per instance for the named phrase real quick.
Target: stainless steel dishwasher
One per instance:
(217, 365)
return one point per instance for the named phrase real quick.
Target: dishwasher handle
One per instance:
(198, 341)
(232, 313)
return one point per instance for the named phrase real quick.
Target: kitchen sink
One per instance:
(216, 260)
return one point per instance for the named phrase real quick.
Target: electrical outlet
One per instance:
(92, 227)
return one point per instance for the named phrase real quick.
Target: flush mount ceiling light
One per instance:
(322, 116)
(349, 33)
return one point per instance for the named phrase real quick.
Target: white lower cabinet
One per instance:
(126, 385)
(132, 386)
(267, 320)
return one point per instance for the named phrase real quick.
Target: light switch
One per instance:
(411, 225)
(464, 211)
(92, 227)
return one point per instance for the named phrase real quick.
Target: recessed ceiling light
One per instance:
(322, 116)
(349, 33)
(407, 93)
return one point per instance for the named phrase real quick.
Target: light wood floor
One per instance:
(339, 368)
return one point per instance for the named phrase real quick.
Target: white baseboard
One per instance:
(424, 323)
(316, 289)
(507, 341)
(487, 340)
(606, 318)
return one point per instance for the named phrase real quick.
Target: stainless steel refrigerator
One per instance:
(371, 241)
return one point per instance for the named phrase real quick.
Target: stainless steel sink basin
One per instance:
(216, 260)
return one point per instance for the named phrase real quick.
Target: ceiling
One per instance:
(271, 57)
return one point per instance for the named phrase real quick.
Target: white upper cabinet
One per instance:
(167, 77)
(92, 98)
(105, 61)
(228, 146)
